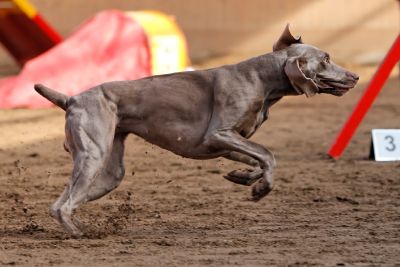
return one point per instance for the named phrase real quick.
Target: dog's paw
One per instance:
(77, 234)
(245, 177)
(260, 189)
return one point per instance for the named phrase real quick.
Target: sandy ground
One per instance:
(171, 211)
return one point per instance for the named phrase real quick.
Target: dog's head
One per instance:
(310, 70)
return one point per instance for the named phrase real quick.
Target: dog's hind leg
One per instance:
(55, 208)
(90, 139)
(111, 176)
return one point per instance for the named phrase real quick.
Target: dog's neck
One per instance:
(270, 70)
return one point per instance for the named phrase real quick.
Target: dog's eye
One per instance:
(327, 59)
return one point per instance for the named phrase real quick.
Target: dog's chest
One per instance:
(253, 120)
(255, 117)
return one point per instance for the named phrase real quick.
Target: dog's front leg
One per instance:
(231, 140)
(240, 157)
(244, 177)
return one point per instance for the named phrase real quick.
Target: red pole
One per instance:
(366, 100)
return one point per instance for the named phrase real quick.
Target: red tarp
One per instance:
(108, 47)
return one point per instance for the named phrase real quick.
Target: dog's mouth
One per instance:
(334, 87)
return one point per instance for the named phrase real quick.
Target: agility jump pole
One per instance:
(370, 93)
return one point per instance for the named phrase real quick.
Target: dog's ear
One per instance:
(299, 81)
(286, 40)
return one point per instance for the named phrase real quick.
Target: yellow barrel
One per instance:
(168, 46)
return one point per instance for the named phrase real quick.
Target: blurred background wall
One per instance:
(353, 31)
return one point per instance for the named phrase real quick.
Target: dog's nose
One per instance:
(353, 75)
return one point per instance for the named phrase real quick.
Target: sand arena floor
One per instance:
(171, 211)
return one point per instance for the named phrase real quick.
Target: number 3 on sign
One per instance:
(391, 142)
(386, 144)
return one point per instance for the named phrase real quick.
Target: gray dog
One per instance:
(201, 114)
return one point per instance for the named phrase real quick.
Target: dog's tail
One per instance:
(55, 97)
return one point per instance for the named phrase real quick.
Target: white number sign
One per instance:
(386, 144)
